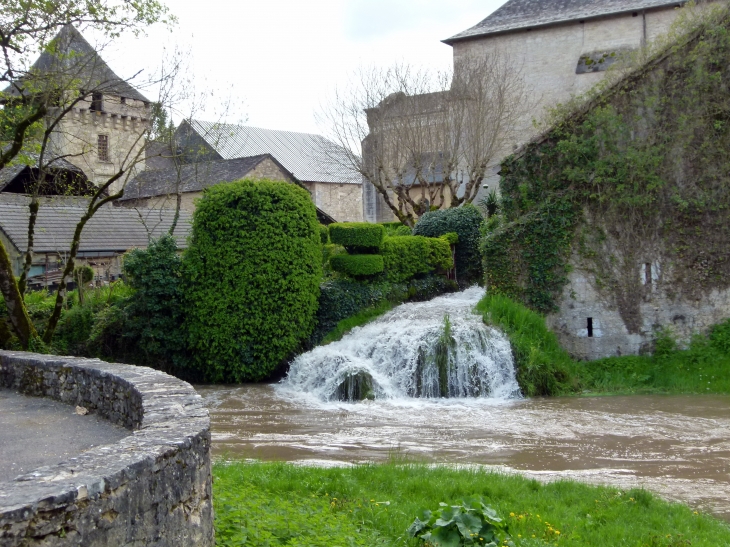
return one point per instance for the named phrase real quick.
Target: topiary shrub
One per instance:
(324, 234)
(251, 277)
(357, 265)
(357, 237)
(408, 256)
(465, 221)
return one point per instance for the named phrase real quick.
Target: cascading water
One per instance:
(429, 349)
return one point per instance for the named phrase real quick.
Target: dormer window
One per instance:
(97, 102)
(123, 100)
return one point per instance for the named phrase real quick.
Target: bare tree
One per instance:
(427, 141)
(38, 99)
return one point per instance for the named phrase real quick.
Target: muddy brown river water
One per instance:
(676, 446)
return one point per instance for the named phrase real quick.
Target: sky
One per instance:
(276, 62)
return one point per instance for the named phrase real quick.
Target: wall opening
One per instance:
(97, 102)
(102, 147)
(647, 274)
(590, 327)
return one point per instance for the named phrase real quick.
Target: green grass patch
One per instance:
(359, 319)
(544, 368)
(267, 504)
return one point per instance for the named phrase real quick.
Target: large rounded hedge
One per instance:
(252, 274)
(465, 221)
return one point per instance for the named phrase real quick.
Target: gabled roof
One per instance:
(524, 14)
(62, 178)
(80, 61)
(307, 156)
(111, 229)
(193, 177)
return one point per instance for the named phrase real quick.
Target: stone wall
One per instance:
(151, 488)
(343, 202)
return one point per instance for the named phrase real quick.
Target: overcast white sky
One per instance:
(280, 59)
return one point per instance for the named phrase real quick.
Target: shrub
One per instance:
(252, 275)
(357, 237)
(464, 221)
(324, 234)
(408, 256)
(357, 265)
(396, 229)
(155, 310)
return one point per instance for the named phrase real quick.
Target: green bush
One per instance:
(408, 256)
(155, 310)
(252, 274)
(464, 221)
(324, 234)
(357, 237)
(357, 265)
(396, 229)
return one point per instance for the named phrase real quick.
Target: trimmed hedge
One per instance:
(408, 256)
(324, 234)
(357, 236)
(357, 265)
(465, 221)
(252, 274)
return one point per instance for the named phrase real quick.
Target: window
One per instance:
(590, 327)
(123, 100)
(102, 147)
(97, 102)
(647, 274)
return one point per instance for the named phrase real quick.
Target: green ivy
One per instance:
(252, 274)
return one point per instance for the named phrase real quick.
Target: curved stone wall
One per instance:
(151, 488)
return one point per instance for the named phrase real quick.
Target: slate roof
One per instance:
(193, 177)
(81, 61)
(8, 174)
(307, 156)
(111, 229)
(523, 14)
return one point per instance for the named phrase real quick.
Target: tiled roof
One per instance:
(8, 174)
(81, 62)
(112, 228)
(307, 156)
(522, 14)
(193, 177)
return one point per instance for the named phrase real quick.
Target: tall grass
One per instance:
(259, 504)
(544, 368)
(359, 319)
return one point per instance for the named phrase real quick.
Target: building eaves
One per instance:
(111, 229)
(309, 157)
(518, 15)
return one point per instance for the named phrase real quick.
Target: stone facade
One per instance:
(121, 126)
(341, 201)
(152, 488)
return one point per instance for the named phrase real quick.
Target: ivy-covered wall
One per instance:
(620, 212)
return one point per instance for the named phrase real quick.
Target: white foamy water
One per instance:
(400, 352)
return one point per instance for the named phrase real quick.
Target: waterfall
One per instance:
(439, 348)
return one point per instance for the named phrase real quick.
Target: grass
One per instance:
(359, 319)
(544, 368)
(267, 504)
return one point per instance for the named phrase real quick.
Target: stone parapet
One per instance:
(153, 488)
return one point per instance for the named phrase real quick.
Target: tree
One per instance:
(427, 141)
(38, 98)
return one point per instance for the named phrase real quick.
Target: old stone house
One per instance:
(103, 130)
(561, 47)
(335, 190)
(615, 221)
(110, 233)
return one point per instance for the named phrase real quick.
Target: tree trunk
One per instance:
(17, 312)
(34, 204)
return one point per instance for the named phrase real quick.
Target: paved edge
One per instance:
(151, 488)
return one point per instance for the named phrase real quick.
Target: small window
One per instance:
(96, 102)
(647, 274)
(590, 327)
(103, 147)
(123, 100)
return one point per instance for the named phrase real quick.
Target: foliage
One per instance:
(396, 229)
(324, 234)
(469, 522)
(637, 174)
(489, 204)
(251, 278)
(328, 251)
(543, 367)
(451, 237)
(357, 237)
(464, 221)
(407, 256)
(357, 265)
(359, 319)
(83, 274)
(155, 310)
(283, 504)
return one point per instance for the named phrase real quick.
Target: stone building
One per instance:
(614, 224)
(110, 233)
(335, 191)
(103, 130)
(561, 47)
